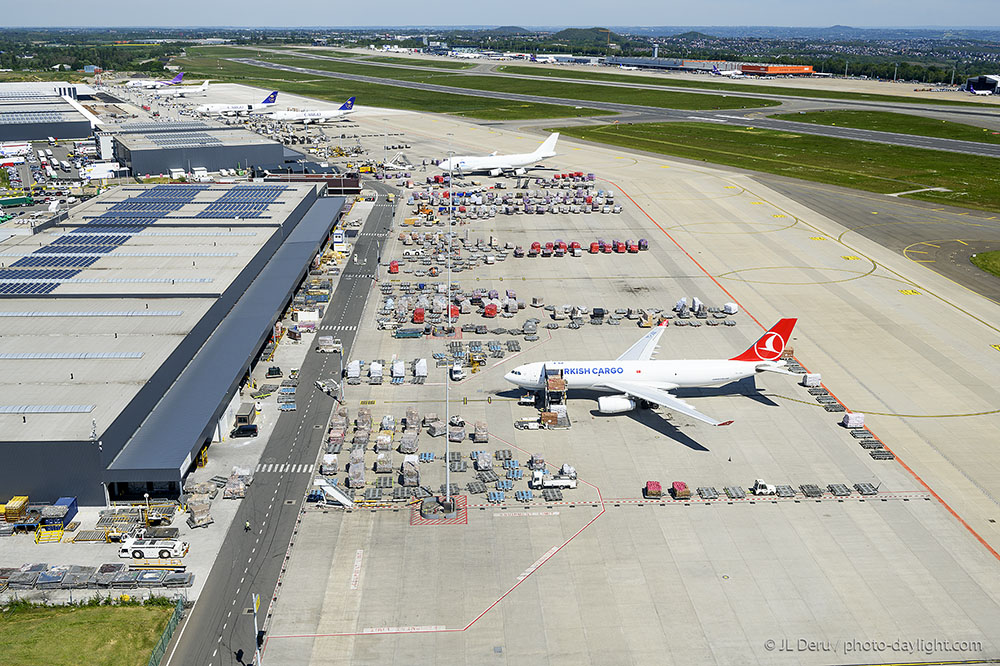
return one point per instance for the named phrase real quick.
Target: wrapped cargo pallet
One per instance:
(480, 435)
(408, 442)
(410, 471)
(383, 463)
(388, 422)
(383, 442)
(484, 461)
(430, 417)
(356, 475)
(456, 434)
(364, 419)
(361, 439)
(329, 465)
(412, 418)
(420, 368)
(357, 456)
(437, 429)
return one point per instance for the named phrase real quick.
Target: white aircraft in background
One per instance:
(151, 83)
(637, 378)
(495, 165)
(184, 91)
(314, 116)
(238, 109)
(972, 90)
(731, 73)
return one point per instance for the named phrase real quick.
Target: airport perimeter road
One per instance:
(653, 113)
(218, 630)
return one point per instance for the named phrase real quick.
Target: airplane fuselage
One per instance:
(661, 374)
(492, 162)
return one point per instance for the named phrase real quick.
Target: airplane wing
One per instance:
(644, 349)
(665, 399)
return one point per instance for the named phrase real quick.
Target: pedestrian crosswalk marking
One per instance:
(285, 468)
(343, 327)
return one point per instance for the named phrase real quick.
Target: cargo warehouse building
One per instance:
(157, 147)
(129, 326)
(687, 65)
(35, 116)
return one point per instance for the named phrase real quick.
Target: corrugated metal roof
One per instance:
(164, 441)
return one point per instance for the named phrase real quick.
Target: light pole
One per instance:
(146, 495)
(447, 315)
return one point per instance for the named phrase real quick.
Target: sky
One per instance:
(307, 13)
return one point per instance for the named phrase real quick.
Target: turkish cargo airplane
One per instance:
(238, 109)
(314, 116)
(150, 83)
(184, 91)
(637, 378)
(495, 164)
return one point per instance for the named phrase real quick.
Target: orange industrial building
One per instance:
(776, 70)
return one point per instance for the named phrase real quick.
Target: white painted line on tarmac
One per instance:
(539, 562)
(356, 574)
(525, 513)
(402, 630)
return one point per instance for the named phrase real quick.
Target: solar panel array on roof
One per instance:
(95, 313)
(173, 126)
(252, 194)
(25, 118)
(46, 409)
(183, 140)
(65, 356)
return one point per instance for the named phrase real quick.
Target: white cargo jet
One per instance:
(152, 83)
(238, 109)
(184, 91)
(731, 73)
(637, 378)
(314, 116)
(495, 165)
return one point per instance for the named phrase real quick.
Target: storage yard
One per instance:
(848, 501)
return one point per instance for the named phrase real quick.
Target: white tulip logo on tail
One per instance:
(770, 346)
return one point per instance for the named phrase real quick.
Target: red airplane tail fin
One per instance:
(770, 345)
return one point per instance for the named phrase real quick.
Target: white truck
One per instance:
(539, 479)
(761, 488)
(329, 345)
(153, 548)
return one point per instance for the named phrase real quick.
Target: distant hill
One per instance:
(693, 35)
(509, 30)
(585, 36)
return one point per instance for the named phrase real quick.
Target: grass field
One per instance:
(574, 91)
(903, 123)
(370, 94)
(71, 77)
(988, 261)
(729, 87)
(95, 636)
(868, 166)
(437, 64)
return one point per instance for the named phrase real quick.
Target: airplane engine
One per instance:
(520, 172)
(615, 404)
(495, 172)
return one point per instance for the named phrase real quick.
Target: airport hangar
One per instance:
(129, 327)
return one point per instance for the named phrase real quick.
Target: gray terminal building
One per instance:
(157, 147)
(128, 328)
